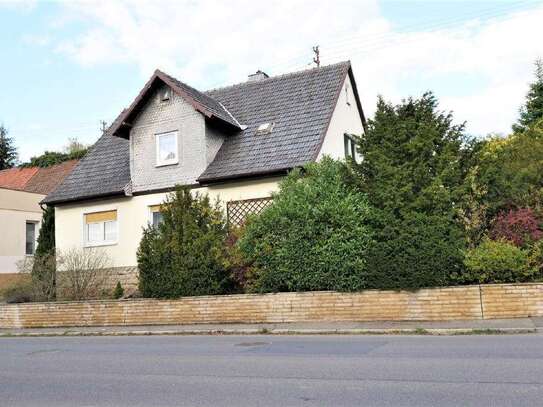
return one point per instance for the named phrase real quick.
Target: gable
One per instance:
(346, 119)
(174, 116)
(201, 102)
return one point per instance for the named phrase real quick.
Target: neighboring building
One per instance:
(21, 191)
(234, 143)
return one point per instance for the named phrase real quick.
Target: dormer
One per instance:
(174, 133)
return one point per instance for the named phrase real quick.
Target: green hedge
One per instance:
(499, 262)
(417, 251)
(313, 237)
(186, 254)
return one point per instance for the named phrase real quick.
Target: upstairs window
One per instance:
(167, 149)
(30, 241)
(101, 228)
(350, 147)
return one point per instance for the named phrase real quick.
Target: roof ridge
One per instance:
(281, 76)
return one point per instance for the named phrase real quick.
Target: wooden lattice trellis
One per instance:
(238, 211)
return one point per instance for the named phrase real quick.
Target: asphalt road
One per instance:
(272, 371)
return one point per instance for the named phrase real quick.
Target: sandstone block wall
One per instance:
(450, 303)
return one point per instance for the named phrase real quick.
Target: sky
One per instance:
(67, 65)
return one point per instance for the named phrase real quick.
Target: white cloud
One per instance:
(189, 38)
(209, 43)
(38, 40)
(25, 5)
(500, 53)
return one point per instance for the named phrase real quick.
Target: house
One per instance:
(234, 143)
(21, 191)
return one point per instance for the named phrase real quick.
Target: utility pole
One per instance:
(103, 126)
(317, 58)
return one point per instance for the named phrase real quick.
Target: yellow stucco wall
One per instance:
(16, 208)
(133, 215)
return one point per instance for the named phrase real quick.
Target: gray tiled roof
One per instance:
(300, 104)
(210, 104)
(105, 170)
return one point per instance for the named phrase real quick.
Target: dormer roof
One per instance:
(209, 107)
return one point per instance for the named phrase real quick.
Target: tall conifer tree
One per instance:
(532, 111)
(8, 151)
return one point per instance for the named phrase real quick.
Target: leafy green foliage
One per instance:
(186, 254)
(417, 250)
(118, 292)
(507, 175)
(414, 173)
(536, 258)
(74, 150)
(46, 238)
(313, 236)
(44, 266)
(240, 272)
(415, 158)
(50, 158)
(8, 151)
(497, 262)
(532, 111)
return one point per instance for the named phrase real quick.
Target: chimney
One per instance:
(257, 76)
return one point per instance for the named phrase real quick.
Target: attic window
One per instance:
(165, 94)
(265, 128)
(167, 152)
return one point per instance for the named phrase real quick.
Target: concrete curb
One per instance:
(276, 331)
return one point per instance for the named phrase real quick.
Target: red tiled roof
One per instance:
(35, 179)
(47, 179)
(16, 178)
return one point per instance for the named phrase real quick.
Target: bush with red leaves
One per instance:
(518, 226)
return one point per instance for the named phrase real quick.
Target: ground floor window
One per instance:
(238, 211)
(156, 217)
(30, 241)
(101, 228)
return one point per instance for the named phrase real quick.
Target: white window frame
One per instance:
(350, 147)
(87, 243)
(173, 161)
(150, 214)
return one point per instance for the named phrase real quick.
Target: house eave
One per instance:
(244, 177)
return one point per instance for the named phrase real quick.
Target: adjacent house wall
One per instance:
(16, 208)
(346, 119)
(196, 146)
(133, 214)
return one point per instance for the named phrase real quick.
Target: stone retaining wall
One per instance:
(450, 303)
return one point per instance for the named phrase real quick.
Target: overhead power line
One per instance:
(345, 45)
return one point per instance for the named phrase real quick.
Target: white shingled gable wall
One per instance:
(345, 119)
(197, 143)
